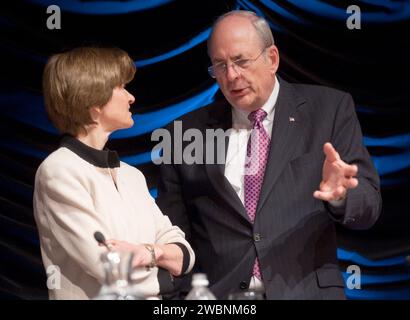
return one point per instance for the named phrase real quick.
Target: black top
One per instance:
(99, 158)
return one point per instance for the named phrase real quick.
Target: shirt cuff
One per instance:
(336, 209)
(338, 203)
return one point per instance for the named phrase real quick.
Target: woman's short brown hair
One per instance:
(82, 78)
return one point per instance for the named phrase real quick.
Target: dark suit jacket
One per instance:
(294, 233)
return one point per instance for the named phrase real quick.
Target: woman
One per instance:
(82, 188)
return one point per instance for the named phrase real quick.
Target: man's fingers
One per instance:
(322, 195)
(330, 152)
(330, 195)
(351, 183)
(350, 170)
(339, 193)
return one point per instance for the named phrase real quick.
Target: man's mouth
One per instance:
(239, 91)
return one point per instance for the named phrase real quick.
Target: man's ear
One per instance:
(273, 56)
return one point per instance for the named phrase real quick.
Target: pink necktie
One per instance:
(257, 153)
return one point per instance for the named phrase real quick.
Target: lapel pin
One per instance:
(291, 119)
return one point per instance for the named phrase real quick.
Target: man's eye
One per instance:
(220, 66)
(242, 63)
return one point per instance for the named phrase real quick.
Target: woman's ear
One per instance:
(95, 113)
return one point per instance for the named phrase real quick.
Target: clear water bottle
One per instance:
(118, 284)
(200, 290)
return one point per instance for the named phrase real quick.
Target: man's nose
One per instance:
(232, 72)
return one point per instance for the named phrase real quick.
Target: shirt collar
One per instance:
(240, 117)
(99, 158)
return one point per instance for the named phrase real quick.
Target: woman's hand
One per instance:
(142, 256)
(168, 256)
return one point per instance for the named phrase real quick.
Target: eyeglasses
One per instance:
(239, 65)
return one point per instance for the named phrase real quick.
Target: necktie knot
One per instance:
(256, 117)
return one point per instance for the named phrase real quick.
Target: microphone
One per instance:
(101, 239)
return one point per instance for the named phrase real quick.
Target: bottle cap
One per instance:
(200, 279)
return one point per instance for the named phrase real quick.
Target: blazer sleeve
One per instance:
(363, 203)
(65, 212)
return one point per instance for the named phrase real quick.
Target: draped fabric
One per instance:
(167, 40)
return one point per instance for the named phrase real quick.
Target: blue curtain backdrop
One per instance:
(167, 40)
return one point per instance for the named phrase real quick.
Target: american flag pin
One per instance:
(291, 119)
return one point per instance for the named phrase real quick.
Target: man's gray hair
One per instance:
(260, 24)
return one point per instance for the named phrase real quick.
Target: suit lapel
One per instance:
(221, 118)
(286, 136)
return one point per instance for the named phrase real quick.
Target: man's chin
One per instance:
(241, 103)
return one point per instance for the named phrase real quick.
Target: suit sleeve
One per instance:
(171, 202)
(363, 203)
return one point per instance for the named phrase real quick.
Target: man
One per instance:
(265, 218)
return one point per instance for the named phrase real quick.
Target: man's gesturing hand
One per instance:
(337, 176)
